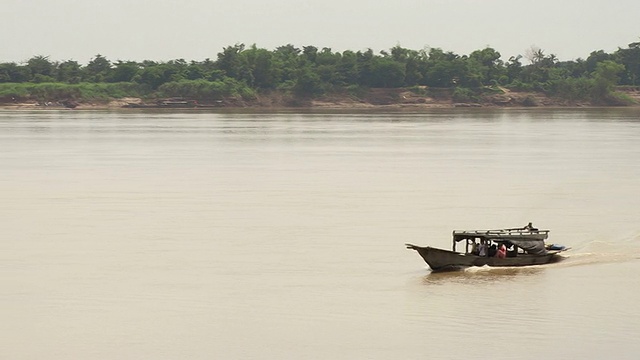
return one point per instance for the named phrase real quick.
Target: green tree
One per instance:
(327, 67)
(14, 73)
(196, 71)
(124, 71)
(347, 68)
(594, 58)
(42, 70)
(310, 53)
(365, 67)
(259, 68)
(69, 71)
(229, 60)
(446, 69)
(387, 73)
(286, 60)
(308, 83)
(414, 68)
(573, 68)
(606, 77)
(630, 58)
(177, 69)
(485, 65)
(98, 69)
(412, 61)
(158, 74)
(540, 71)
(513, 68)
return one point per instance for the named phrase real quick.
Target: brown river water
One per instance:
(154, 235)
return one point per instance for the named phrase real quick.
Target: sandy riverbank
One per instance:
(372, 99)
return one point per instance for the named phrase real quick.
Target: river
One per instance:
(242, 235)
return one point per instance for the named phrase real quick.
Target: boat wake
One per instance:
(602, 252)
(594, 258)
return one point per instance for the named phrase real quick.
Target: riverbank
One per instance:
(397, 98)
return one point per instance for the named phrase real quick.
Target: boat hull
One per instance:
(444, 260)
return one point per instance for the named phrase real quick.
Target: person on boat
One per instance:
(474, 248)
(493, 250)
(502, 252)
(482, 249)
(530, 227)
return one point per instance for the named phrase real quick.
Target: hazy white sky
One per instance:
(198, 29)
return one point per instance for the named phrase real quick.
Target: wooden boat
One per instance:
(527, 246)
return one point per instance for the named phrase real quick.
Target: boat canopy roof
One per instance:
(519, 234)
(529, 239)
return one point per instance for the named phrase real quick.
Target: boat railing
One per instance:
(499, 232)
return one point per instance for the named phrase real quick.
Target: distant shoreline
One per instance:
(373, 99)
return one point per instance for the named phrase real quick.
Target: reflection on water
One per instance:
(244, 235)
(483, 274)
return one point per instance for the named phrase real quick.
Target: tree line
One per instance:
(309, 71)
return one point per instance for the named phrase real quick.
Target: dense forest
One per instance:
(308, 72)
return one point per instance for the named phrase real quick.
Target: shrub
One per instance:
(62, 91)
(461, 94)
(204, 90)
(572, 88)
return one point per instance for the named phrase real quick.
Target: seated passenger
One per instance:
(482, 249)
(493, 250)
(502, 252)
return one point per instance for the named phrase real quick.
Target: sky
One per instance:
(163, 30)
